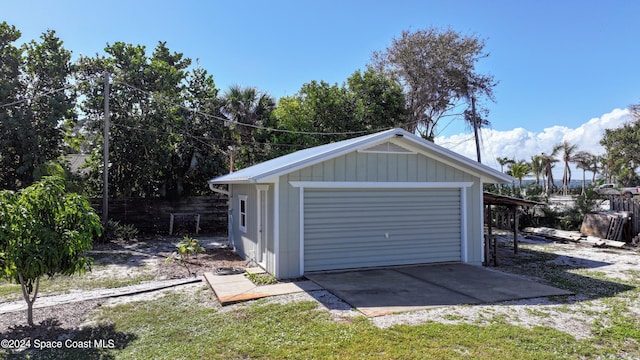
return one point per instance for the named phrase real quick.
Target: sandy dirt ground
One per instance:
(122, 261)
(575, 315)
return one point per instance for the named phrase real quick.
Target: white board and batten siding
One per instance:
(352, 228)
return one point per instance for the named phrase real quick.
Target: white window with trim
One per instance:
(242, 217)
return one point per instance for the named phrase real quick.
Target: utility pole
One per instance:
(476, 125)
(105, 170)
(230, 148)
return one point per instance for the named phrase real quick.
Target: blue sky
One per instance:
(560, 64)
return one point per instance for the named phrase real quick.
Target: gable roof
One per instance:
(267, 171)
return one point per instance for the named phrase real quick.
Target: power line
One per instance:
(456, 144)
(50, 92)
(252, 125)
(203, 139)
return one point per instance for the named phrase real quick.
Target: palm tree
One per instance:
(246, 110)
(519, 170)
(583, 160)
(548, 162)
(504, 161)
(537, 167)
(567, 153)
(594, 166)
(245, 105)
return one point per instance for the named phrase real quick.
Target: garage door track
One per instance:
(376, 292)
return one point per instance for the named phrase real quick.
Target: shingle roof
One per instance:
(268, 170)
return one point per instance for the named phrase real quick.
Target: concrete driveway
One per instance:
(382, 291)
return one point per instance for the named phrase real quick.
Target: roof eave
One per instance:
(506, 179)
(231, 181)
(487, 175)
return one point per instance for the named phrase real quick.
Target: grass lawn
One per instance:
(178, 327)
(186, 326)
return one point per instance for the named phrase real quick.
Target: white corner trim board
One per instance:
(276, 228)
(463, 226)
(379, 185)
(301, 256)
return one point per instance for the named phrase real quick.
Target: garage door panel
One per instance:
(378, 232)
(370, 222)
(377, 259)
(353, 251)
(345, 228)
(417, 212)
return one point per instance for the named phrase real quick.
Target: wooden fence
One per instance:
(151, 216)
(631, 205)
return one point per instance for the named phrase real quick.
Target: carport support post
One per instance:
(515, 229)
(488, 241)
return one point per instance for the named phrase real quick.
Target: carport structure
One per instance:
(513, 204)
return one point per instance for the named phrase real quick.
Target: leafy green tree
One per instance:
(379, 101)
(44, 231)
(11, 111)
(166, 126)
(48, 70)
(200, 153)
(367, 101)
(37, 107)
(622, 146)
(318, 107)
(437, 72)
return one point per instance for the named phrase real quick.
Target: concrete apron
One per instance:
(231, 289)
(376, 292)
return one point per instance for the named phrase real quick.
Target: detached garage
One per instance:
(389, 198)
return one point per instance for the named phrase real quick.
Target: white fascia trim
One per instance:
(324, 156)
(379, 185)
(446, 156)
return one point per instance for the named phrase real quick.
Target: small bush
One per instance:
(116, 231)
(261, 278)
(186, 248)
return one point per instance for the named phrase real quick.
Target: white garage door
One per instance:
(348, 228)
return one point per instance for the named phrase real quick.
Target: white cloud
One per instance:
(522, 144)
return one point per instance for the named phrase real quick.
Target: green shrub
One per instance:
(261, 278)
(185, 249)
(116, 231)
